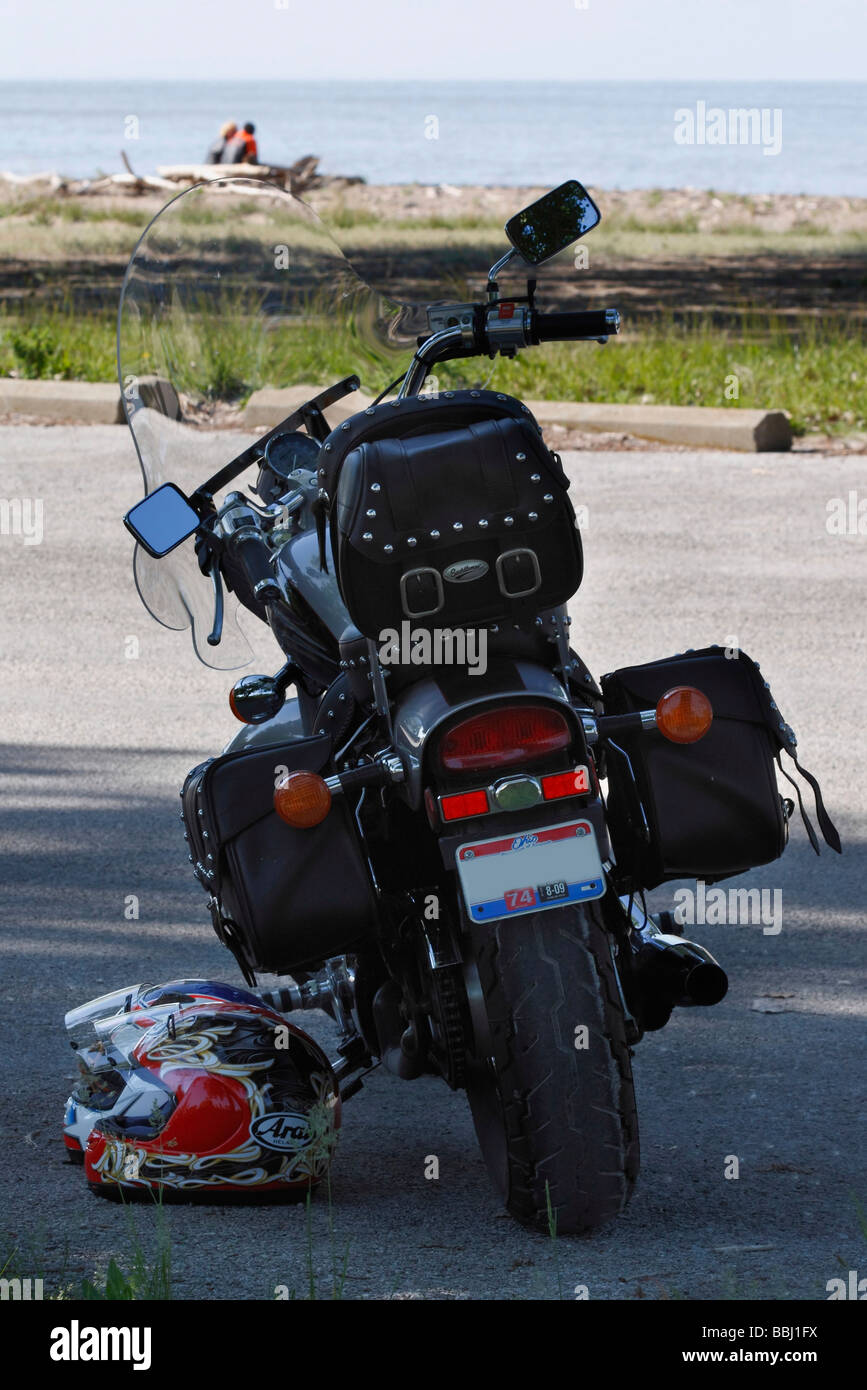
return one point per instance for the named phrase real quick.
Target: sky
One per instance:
(766, 40)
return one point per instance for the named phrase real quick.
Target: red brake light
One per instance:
(503, 737)
(574, 783)
(463, 804)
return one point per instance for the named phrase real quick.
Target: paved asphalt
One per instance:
(682, 549)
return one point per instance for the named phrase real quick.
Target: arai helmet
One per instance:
(196, 1088)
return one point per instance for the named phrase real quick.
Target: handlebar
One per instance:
(580, 323)
(503, 326)
(254, 556)
(242, 536)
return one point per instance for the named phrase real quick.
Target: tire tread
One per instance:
(571, 1124)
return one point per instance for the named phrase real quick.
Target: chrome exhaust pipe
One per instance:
(332, 989)
(672, 972)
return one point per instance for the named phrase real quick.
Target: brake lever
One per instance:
(214, 574)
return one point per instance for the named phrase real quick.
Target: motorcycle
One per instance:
(434, 822)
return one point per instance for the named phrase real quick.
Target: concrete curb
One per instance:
(701, 426)
(704, 427)
(753, 431)
(92, 402)
(269, 406)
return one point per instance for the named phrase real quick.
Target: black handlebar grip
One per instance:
(581, 323)
(254, 556)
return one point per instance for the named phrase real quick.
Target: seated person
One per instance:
(218, 149)
(242, 148)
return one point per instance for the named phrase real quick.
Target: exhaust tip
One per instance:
(706, 984)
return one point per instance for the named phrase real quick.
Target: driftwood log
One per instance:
(299, 178)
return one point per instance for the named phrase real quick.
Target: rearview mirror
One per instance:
(162, 520)
(553, 222)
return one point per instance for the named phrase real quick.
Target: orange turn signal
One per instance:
(302, 799)
(684, 714)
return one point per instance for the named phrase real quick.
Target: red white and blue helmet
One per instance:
(196, 1088)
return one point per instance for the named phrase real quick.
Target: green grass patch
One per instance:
(43, 212)
(198, 214)
(818, 373)
(60, 345)
(672, 226)
(343, 217)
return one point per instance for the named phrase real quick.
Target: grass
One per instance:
(54, 228)
(673, 226)
(618, 239)
(338, 1267)
(44, 212)
(349, 218)
(144, 1273)
(615, 231)
(343, 217)
(74, 212)
(817, 372)
(324, 1139)
(552, 1234)
(58, 345)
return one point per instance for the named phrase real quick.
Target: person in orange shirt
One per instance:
(242, 148)
(249, 134)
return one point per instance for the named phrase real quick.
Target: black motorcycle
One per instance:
(445, 833)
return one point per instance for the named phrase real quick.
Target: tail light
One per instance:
(463, 804)
(504, 737)
(573, 783)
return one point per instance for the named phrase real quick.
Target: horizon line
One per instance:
(454, 81)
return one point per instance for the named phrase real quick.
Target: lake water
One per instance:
(609, 134)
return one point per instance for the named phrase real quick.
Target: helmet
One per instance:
(198, 1089)
(89, 1027)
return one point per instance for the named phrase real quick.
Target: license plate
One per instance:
(529, 872)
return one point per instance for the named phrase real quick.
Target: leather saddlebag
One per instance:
(457, 525)
(280, 898)
(704, 810)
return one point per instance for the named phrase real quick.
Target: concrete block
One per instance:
(700, 426)
(269, 406)
(91, 402)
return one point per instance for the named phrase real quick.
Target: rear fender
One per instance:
(422, 708)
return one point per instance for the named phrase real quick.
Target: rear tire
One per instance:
(554, 1110)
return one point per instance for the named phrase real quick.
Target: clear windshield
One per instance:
(236, 286)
